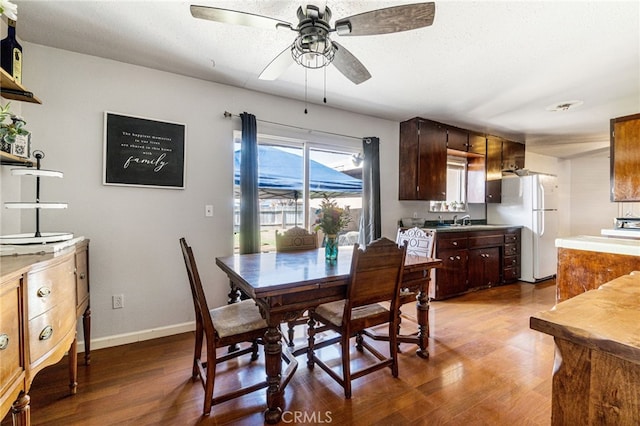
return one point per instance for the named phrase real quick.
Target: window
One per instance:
(293, 177)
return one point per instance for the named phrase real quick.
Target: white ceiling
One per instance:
(488, 66)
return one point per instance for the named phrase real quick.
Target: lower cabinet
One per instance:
(41, 296)
(473, 260)
(484, 267)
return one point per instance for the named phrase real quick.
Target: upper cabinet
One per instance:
(11, 89)
(625, 158)
(423, 160)
(494, 169)
(457, 139)
(512, 155)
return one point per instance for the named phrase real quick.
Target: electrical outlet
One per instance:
(118, 301)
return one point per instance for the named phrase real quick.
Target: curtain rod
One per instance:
(227, 114)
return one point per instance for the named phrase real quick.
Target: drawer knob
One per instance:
(46, 333)
(4, 341)
(455, 243)
(44, 291)
(82, 276)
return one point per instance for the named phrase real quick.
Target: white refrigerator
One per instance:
(531, 201)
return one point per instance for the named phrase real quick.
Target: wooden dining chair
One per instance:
(420, 242)
(294, 239)
(376, 274)
(220, 327)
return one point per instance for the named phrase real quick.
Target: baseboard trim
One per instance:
(138, 336)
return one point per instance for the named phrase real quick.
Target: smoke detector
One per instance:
(564, 106)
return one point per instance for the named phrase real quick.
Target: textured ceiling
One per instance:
(488, 66)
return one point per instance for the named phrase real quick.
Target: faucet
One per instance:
(466, 218)
(455, 219)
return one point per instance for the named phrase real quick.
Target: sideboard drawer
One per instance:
(10, 360)
(47, 288)
(48, 329)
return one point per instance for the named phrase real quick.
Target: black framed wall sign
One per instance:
(143, 152)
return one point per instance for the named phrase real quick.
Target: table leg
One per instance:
(21, 410)
(86, 327)
(73, 366)
(422, 313)
(273, 361)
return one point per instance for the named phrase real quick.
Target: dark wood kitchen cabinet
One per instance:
(512, 155)
(625, 158)
(423, 160)
(494, 170)
(475, 259)
(457, 139)
(511, 255)
(484, 258)
(451, 278)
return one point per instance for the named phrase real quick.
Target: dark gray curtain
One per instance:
(249, 207)
(370, 224)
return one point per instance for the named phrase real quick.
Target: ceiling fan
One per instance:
(313, 46)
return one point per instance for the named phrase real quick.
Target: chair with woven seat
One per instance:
(221, 327)
(376, 274)
(294, 239)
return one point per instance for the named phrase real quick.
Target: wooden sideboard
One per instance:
(41, 297)
(596, 376)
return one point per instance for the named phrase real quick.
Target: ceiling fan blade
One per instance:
(235, 17)
(388, 20)
(349, 65)
(278, 65)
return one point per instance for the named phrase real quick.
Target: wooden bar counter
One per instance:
(596, 377)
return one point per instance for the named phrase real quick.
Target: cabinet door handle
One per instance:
(44, 291)
(4, 341)
(46, 333)
(455, 243)
(452, 258)
(82, 275)
(457, 257)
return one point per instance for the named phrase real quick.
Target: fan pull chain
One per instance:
(305, 91)
(325, 85)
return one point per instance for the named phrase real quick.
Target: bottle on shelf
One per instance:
(11, 53)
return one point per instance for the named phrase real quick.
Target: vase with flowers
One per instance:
(331, 219)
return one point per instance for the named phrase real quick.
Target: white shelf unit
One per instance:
(36, 237)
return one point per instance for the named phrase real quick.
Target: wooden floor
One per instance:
(486, 368)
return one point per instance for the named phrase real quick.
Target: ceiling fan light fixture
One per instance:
(313, 51)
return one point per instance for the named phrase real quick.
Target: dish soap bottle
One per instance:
(11, 53)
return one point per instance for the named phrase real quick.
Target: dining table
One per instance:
(286, 284)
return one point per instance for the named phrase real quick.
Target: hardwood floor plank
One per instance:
(486, 367)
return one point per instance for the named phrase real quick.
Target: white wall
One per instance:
(134, 231)
(591, 207)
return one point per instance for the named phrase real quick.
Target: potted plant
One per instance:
(14, 138)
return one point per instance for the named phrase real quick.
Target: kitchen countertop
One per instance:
(624, 246)
(461, 228)
(628, 233)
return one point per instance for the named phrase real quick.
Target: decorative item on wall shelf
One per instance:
(36, 237)
(14, 138)
(331, 220)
